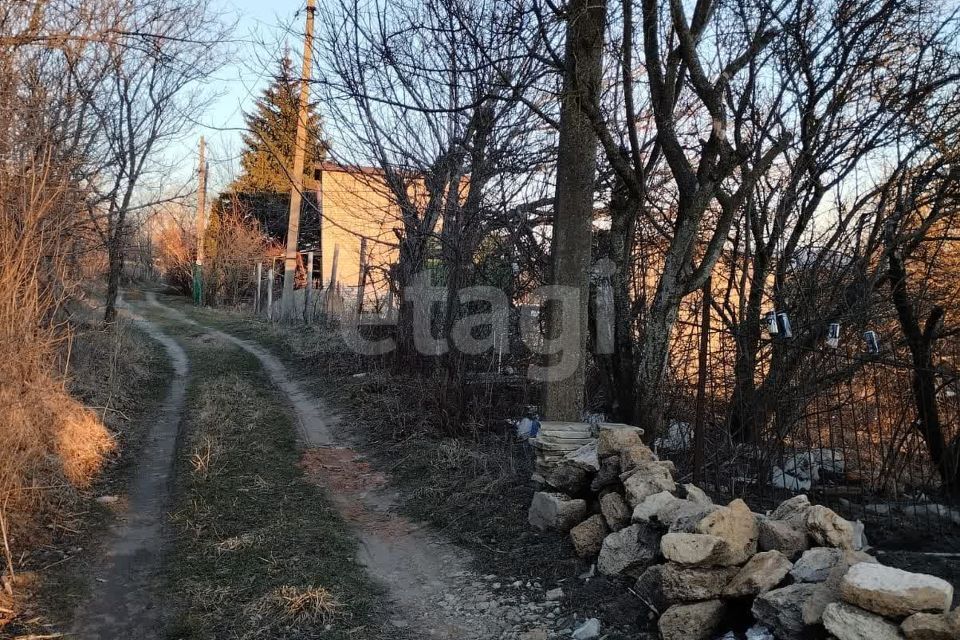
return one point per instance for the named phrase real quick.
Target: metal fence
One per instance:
(841, 429)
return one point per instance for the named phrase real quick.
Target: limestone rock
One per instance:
(588, 536)
(651, 506)
(672, 583)
(628, 551)
(851, 623)
(585, 457)
(762, 572)
(634, 456)
(782, 611)
(816, 564)
(782, 536)
(693, 549)
(555, 511)
(736, 525)
(615, 510)
(828, 529)
(568, 478)
(684, 516)
(647, 479)
(793, 510)
(698, 621)
(608, 475)
(614, 439)
(697, 495)
(932, 626)
(893, 592)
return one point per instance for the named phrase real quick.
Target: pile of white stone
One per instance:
(800, 570)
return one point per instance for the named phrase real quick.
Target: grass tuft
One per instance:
(299, 605)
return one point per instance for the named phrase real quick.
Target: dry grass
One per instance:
(300, 605)
(254, 539)
(51, 446)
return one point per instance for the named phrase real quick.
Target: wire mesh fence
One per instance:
(843, 428)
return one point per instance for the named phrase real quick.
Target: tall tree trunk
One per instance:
(114, 272)
(920, 341)
(618, 368)
(574, 197)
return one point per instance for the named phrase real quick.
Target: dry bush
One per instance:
(175, 247)
(233, 245)
(50, 445)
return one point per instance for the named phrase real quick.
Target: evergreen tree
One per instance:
(272, 130)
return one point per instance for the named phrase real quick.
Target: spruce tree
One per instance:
(271, 134)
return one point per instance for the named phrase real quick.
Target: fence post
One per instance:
(332, 289)
(270, 277)
(307, 308)
(362, 280)
(259, 279)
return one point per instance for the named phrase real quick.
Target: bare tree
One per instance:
(411, 91)
(149, 95)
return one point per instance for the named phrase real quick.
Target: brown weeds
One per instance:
(299, 605)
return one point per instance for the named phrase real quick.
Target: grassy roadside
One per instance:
(121, 374)
(259, 551)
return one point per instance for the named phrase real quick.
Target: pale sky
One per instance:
(261, 30)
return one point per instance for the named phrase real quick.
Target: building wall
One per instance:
(356, 204)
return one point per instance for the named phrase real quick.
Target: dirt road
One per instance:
(123, 601)
(433, 590)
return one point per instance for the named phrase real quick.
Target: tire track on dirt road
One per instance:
(122, 601)
(434, 591)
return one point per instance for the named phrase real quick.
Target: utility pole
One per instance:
(201, 210)
(288, 310)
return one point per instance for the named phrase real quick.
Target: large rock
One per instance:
(608, 475)
(588, 536)
(628, 551)
(568, 478)
(693, 549)
(585, 457)
(782, 611)
(647, 479)
(633, 457)
(736, 526)
(684, 516)
(672, 583)
(698, 621)
(893, 592)
(614, 439)
(615, 510)
(555, 511)
(828, 529)
(781, 535)
(817, 564)
(649, 509)
(697, 495)
(793, 510)
(932, 626)
(850, 623)
(762, 573)
(828, 591)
